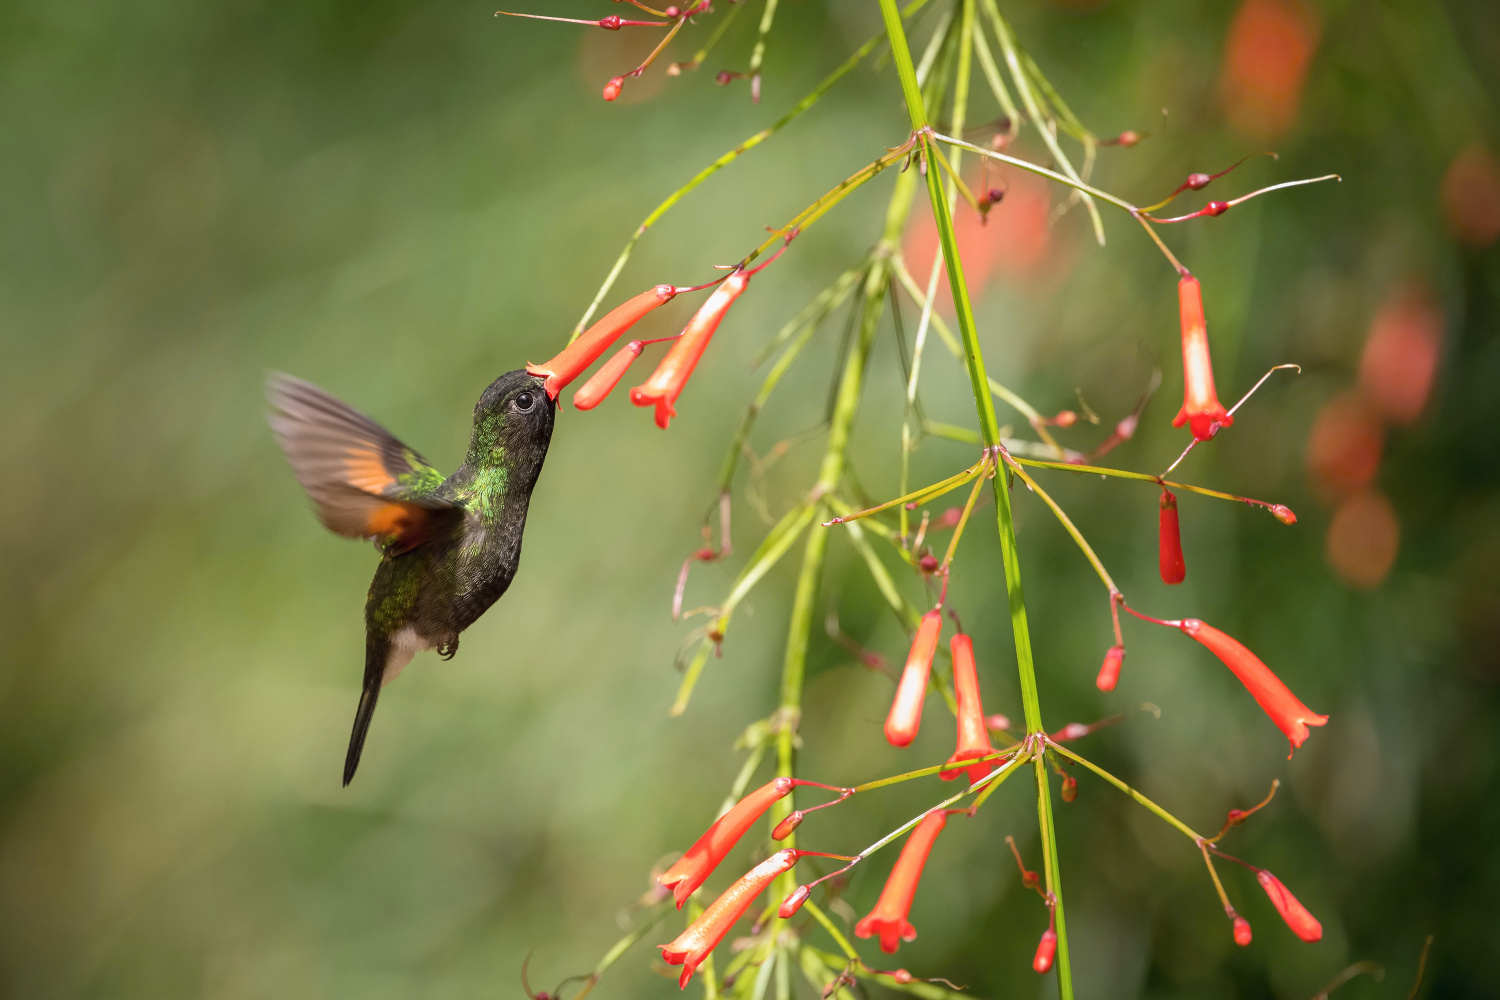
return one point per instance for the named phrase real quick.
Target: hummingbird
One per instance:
(449, 547)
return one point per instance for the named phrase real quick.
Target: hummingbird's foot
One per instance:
(448, 648)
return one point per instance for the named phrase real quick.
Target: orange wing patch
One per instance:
(365, 469)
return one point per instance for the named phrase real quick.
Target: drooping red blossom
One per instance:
(574, 359)
(603, 381)
(665, 384)
(1275, 698)
(1046, 951)
(693, 945)
(1109, 673)
(1242, 933)
(1169, 554)
(1302, 923)
(1201, 409)
(905, 717)
(694, 867)
(889, 917)
(973, 735)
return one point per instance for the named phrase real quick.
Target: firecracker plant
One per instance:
(790, 934)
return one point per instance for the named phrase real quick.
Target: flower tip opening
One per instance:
(1242, 933)
(1109, 673)
(1046, 952)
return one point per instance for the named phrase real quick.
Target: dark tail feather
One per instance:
(362, 717)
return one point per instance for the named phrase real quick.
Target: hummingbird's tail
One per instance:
(375, 656)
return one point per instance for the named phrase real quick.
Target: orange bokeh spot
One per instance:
(1343, 451)
(1270, 45)
(1471, 197)
(1401, 356)
(1363, 540)
(1015, 241)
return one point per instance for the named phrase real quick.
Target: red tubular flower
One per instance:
(1173, 569)
(603, 381)
(905, 717)
(693, 945)
(1242, 934)
(1274, 697)
(1201, 409)
(1302, 923)
(1109, 673)
(577, 356)
(690, 871)
(888, 919)
(973, 735)
(665, 384)
(1046, 951)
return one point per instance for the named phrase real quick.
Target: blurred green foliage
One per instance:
(400, 201)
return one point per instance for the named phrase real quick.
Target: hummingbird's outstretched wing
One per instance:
(362, 480)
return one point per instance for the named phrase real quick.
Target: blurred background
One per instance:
(401, 200)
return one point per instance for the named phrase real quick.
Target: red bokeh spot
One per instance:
(1343, 451)
(1270, 45)
(1363, 540)
(1471, 197)
(1401, 356)
(1016, 240)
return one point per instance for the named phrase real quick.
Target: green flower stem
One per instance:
(1040, 171)
(1053, 874)
(1144, 477)
(832, 929)
(725, 160)
(766, 20)
(1067, 523)
(990, 429)
(1167, 817)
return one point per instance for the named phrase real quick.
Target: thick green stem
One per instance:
(990, 430)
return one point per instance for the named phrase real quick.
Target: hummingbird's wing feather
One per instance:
(363, 481)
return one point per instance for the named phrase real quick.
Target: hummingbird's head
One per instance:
(513, 423)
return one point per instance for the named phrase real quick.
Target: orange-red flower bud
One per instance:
(1242, 934)
(1274, 697)
(905, 717)
(1201, 409)
(973, 736)
(793, 902)
(694, 867)
(784, 829)
(613, 87)
(889, 917)
(1069, 788)
(693, 945)
(665, 384)
(574, 359)
(1284, 514)
(1046, 951)
(1302, 923)
(1109, 673)
(1169, 555)
(603, 381)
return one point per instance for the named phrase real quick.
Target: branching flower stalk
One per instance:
(781, 913)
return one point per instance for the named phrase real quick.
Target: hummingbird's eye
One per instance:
(525, 401)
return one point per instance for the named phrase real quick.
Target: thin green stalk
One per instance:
(990, 428)
(1167, 817)
(1144, 477)
(1068, 525)
(1053, 873)
(767, 18)
(723, 161)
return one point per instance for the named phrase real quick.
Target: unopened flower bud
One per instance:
(1073, 731)
(1109, 673)
(902, 976)
(672, 12)
(1237, 816)
(1046, 951)
(1169, 555)
(613, 87)
(1198, 181)
(1127, 139)
(1067, 418)
(997, 723)
(723, 77)
(1242, 933)
(1069, 788)
(611, 23)
(1216, 208)
(785, 827)
(928, 563)
(793, 902)
(1284, 514)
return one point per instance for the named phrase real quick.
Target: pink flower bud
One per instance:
(902, 976)
(1109, 673)
(793, 902)
(1046, 951)
(997, 723)
(1199, 181)
(613, 87)
(1284, 514)
(1216, 208)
